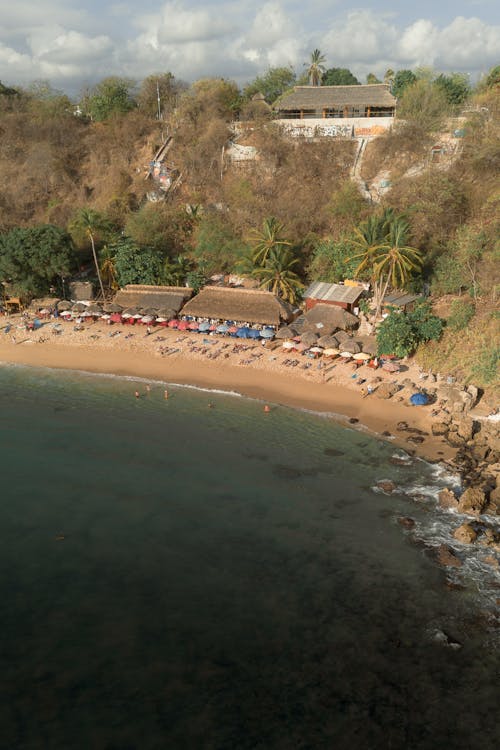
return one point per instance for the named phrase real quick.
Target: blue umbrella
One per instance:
(253, 333)
(242, 333)
(267, 333)
(203, 327)
(419, 399)
(222, 328)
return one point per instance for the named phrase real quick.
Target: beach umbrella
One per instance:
(204, 327)
(64, 305)
(146, 319)
(342, 336)
(267, 333)
(390, 367)
(309, 338)
(105, 316)
(361, 356)
(253, 333)
(193, 326)
(301, 347)
(116, 318)
(331, 352)
(351, 346)
(95, 309)
(368, 345)
(242, 333)
(183, 325)
(232, 329)
(346, 355)
(79, 307)
(222, 328)
(316, 349)
(288, 345)
(86, 314)
(288, 332)
(419, 399)
(328, 342)
(173, 323)
(112, 307)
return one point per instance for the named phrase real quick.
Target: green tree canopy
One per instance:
(425, 104)
(372, 78)
(278, 275)
(455, 87)
(401, 333)
(272, 84)
(89, 225)
(136, 265)
(401, 80)
(112, 96)
(32, 260)
(332, 261)
(162, 86)
(339, 77)
(269, 238)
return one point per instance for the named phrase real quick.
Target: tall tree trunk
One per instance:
(96, 263)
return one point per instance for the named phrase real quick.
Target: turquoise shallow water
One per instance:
(227, 579)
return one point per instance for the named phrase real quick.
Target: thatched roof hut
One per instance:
(337, 101)
(48, 303)
(329, 318)
(154, 297)
(251, 305)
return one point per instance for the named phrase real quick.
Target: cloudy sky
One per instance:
(73, 43)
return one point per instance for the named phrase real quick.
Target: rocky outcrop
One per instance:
(386, 485)
(446, 556)
(386, 390)
(472, 501)
(447, 500)
(465, 534)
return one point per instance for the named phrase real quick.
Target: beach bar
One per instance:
(169, 299)
(251, 305)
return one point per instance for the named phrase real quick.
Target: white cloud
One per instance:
(239, 39)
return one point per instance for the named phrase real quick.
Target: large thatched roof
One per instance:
(252, 305)
(328, 318)
(334, 97)
(157, 297)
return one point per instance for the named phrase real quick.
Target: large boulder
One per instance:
(447, 500)
(446, 556)
(465, 534)
(472, 501)
(465, 429)
(386, 390)
(440, 428)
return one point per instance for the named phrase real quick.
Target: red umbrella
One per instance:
(183, 325)
(232, 329)
(390, 367)
(193, 326)
(173, 323)
(116, 318)
(212, 328)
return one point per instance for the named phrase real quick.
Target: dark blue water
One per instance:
(179, 576)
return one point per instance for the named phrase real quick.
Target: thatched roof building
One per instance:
(371, 100)
(251, 305)
(329, 318)
(156, 297)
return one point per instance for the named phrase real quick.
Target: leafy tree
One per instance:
(197, 278)
(32, 260)
(267, 240)
(278, 275)
(339, 77)
(91, 225)
(272, 84)
(136, 265)
(402, 79)
(158, 94)
(372, 78)
(401, 333)
(215, 244)
(112, 96)
(447, 276)
(162, 227)
(315, 67)
(47, 102)
(389, 76)
(108, 268)
(492, 80)
(424, 104)
(455, 87)
(332, 261)
(176, 270)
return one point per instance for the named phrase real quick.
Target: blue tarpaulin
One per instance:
(419, 399)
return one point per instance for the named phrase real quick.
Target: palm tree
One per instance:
(176, 270)
(107, 267)
(277, 275)
(90, 223)
(384, 254)
(270, 238)
(316, 67)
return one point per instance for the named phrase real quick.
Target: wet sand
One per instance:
(224, 363)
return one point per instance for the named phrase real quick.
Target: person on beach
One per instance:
(266, 409)
(137, 395)
(165, 394)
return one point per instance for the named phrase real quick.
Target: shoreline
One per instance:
(260, 375)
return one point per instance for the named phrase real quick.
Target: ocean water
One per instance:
(180, 575)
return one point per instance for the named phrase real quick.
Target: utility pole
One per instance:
(158, 98)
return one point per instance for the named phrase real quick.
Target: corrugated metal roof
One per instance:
(333, 292)
(400, 299)
(317, 97)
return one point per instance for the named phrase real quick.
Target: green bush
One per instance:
(461, 313)
(401, 333)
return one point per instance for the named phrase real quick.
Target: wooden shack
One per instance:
(340, 295)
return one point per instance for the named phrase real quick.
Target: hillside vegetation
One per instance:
(298, 194)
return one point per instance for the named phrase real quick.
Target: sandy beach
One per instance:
(216, 362)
